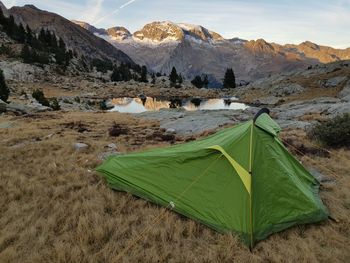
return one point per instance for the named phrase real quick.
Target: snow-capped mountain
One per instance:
(194, 50)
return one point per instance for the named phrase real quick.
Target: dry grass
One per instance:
(53, 208)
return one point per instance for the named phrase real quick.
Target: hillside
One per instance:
(85, 43)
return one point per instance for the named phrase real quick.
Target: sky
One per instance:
(324, 22)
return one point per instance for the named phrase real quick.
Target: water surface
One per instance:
(138, 105)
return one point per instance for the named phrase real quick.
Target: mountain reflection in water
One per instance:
(138, 105)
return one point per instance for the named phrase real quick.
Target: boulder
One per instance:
(333, 82)
(112, 146)
(80, 146)
(170, 130)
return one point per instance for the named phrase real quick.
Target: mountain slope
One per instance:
(76, 37)
(193, 50)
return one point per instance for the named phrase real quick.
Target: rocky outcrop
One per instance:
(160, 31)
(333, 82)
(323, 106)
(18, 71)
(194, 122)
(118, 32)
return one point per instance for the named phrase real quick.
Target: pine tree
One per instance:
(61, 44)
(125, 72)
(153, 76)
(116, 76)
(4, 90)
(53, 42)
(173, 77)
(42, 36)
(21, 33)
(10, 26)
(180, 79)
(205, 81)
(229, 79)
(197, 82)
(2, 17)
(143, 77)
(26, 54)
(29, 35)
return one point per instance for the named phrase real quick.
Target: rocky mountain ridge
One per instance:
(194, 50)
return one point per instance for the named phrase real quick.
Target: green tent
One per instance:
(241, 179)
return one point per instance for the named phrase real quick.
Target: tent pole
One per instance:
(250, 196)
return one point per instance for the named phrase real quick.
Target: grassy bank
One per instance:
(53, 207)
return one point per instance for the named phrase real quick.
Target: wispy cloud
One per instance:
(115, 11)
(93, 10)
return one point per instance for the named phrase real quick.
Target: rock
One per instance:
(293, 124)
(23, 97)
(16, 108)
(297, 109)
(109, 105)
(170, 130)
(319, 176)
(18, 71)
(271, 100)
(345, 93)
(104, 155)
(339, 108)
(286, 89)
(3, 106)
(49, 136)
(80, 146)
(194, 122)
(37, 107)
(333, 82)
(112, 146)
(346, 98)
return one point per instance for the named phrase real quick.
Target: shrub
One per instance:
(103, 105)
(334, 132)
(40, 97)
(55, 105)
(117, 130)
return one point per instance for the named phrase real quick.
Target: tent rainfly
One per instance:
(240, 179)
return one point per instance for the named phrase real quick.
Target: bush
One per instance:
(334, 132)
(117, 130)
(55, 105)
(40, 97)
